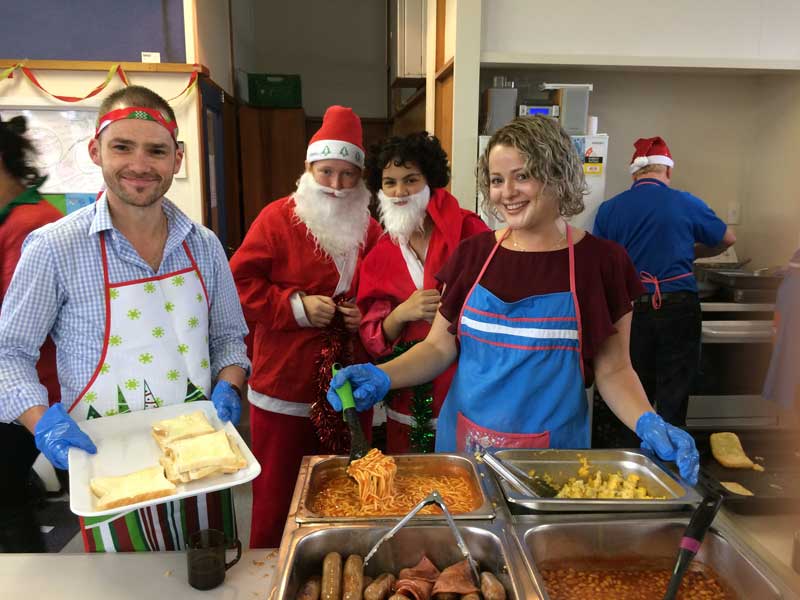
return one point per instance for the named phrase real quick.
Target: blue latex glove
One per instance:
(56, 432)
(669, 443)
(227, 402)
(370, 385)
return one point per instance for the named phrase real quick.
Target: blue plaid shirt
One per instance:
(57, 289)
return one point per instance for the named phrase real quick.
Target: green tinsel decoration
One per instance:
(421, 437)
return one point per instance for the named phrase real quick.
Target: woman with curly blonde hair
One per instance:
(534, 313)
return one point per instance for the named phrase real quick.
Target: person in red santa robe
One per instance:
(398, 293)
(297, 273)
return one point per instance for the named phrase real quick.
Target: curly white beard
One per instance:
(338, 223)
(402, 221)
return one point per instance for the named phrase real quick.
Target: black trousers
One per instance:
(665, 352)
(19, 528)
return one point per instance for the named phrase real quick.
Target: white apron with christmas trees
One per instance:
(155, 353)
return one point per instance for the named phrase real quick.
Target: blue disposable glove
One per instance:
(370, 385)
(56, 432)
(669, 443)
(227, 402)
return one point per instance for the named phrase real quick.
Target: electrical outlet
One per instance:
(734, 213)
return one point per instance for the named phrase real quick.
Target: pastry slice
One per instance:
(184, 426)
(728, 451)
(736, 488)
(146, 484)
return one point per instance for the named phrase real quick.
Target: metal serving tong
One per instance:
(433, 498)
(535, 487)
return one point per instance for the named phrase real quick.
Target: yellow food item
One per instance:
(145, 484)
(728, 451)
(603, 485)
(181, 427)
(736, 488)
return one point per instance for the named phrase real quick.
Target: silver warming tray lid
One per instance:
(560, 465)
(316, 471)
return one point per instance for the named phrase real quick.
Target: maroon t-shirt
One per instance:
(605, 279)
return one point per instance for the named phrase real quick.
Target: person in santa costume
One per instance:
(22, 210)
(143, 310)
(297, 275)
(398, 293)
(664, 230)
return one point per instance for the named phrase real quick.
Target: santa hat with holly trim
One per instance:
(339, 138)
(650, 151)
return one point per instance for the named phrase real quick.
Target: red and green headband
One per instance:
(136, 112)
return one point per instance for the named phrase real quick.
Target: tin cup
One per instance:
(205, 558)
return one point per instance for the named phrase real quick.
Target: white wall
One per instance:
(676, 32)
(186, 193)
(212, 44)
(338, 48)
(772, 214)
(245, 43)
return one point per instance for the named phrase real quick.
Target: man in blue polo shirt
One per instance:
(663, 230)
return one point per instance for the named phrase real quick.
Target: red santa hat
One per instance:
(339, 137)
(650, 151)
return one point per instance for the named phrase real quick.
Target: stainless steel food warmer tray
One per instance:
(490, 544)
(560, 465)
(650, 539)
(317, 470)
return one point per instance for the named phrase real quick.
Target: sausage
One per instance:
(332, 577)
(491, 588)
(353, 579)
(471, 596)
(398, 597)
(310, 589)
(446, 596)
(380, 588)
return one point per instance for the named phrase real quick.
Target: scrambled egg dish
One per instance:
(602, 485)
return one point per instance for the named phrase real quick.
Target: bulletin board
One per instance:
(61, 138)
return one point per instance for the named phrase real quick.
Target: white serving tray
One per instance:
(125, 444)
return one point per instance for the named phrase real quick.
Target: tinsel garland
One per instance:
(331, 429)
(421, 437)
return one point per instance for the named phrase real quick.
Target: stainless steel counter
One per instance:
(709, 307)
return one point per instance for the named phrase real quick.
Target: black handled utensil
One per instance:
(358, 443)
(701, 520)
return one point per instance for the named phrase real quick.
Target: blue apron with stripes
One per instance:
(519, 382)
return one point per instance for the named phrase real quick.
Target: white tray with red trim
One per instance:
(125, 444)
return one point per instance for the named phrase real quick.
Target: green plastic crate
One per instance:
(274, 91)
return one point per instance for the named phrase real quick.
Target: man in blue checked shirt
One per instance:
(143, 310)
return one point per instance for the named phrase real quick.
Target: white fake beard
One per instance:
(338, 224)
(402, 221)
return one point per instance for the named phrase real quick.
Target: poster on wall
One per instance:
(61, 138)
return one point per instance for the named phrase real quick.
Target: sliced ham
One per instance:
(414, 588)
(456, 579)
(417, 582)
(424, 570)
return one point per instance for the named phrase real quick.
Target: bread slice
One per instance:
(728, 451)
(184, 426)
(146, 484)
(175, 475)
(736, 488)
(210, 450)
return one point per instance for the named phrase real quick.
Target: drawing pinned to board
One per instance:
(62, 139)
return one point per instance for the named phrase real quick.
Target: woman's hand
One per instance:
(420, 306)
(669, 443)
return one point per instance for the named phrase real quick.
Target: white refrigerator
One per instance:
(593, 150)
